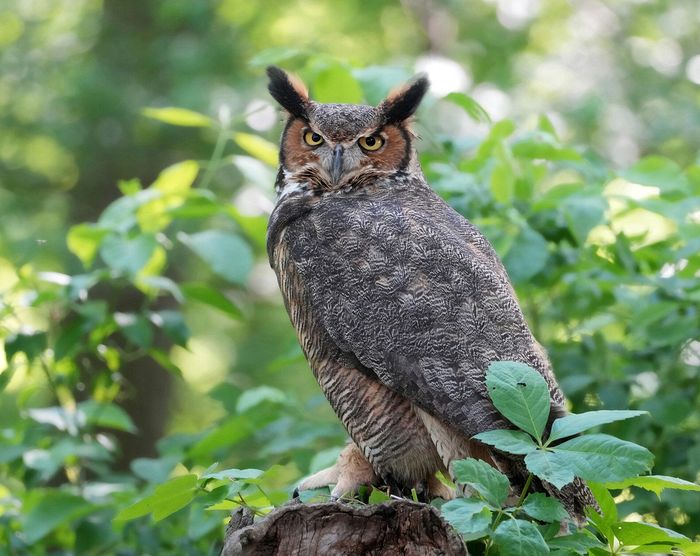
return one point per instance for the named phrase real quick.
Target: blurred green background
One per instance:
(149, 338)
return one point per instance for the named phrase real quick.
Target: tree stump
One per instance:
(394, 528)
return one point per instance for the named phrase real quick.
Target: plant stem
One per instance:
(213, 164)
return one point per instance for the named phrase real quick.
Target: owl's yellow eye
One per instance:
(312, 138)
(371, 142)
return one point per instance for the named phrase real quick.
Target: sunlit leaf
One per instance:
(178, 116)
(470, 106)
(84, 241)
(257, 147)
(513, 442)
(470, 517)
(571, 425)
(655, 483)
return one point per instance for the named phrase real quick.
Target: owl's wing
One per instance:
(418, 296)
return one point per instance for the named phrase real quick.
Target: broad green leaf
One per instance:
(336, 84)
(106, 415)
(515, 537)
(127, 255)
(577, 543)
(487, 481)
(606, 503)
(596, 457)
(154, 470)
(31, 344)
(636, 534)
(254, 396)
(513, 442)
(226, 253)
(527, 255)
(178, 116)
(199, 291)
(54, 508)
(177, 179)
(543, 507)
(582, 214)
(655, 483)
(571, 425)
(378, 496)
(136, 328)
(657, 171)
(84, 240)
(173, 324)
(502, 182)
(470, 517)
(274, 55)
(165, 500)
(257, 147)
(545, 465)
(470, 106)
(520, 393)
(233, 474)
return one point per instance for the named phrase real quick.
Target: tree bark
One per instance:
(394, 528)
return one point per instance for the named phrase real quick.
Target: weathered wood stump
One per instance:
(394, 528)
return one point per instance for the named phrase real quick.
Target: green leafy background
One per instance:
(148, 366)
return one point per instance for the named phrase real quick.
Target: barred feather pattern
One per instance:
(400, 304)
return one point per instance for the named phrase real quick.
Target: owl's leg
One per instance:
(350, 472)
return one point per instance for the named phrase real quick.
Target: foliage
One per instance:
(532, 525)
(164, 279)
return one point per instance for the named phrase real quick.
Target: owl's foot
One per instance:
(350, 472)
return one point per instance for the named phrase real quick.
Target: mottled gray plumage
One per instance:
(399, 303)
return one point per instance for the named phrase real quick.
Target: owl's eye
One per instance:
(371, 142)
(312, 138)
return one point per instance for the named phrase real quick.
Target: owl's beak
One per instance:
(337, 164)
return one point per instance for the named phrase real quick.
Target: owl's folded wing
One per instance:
(418, 297)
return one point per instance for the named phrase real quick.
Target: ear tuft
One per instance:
(289, 91)
(403, 102)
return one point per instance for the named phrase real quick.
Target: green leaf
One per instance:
(203, 293)
(233, 474)
(578, 543)
(527, 255)
(543, 507)
(336, 84)
(655, 483)
(255, 396)
(490, 483)
(178, 116)
(596, 457)
(173, 324)
(657, 171)
(637, 534)
(84, 240)
(571, 425)
(226, 253)
(128, 255)
(606, 503)
(165, 500)
(106, 415)
(544, 464)
(470, 106)
(513, 442)
(136, 328)
(31, 344)
(154, 470)
(470, 517)
(520, 393)
(258, 147)
(378, 496)
(515, 537)
(54, 508)
(177, 179)
(502, 182)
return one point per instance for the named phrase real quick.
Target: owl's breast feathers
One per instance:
(410, 289)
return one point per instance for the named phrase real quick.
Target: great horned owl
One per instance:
(399, 303)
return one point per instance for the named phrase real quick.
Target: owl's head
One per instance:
(337, 146)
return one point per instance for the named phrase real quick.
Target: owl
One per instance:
(399, 303)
